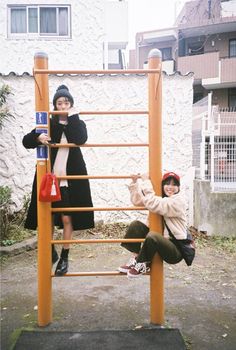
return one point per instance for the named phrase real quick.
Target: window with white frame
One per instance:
(39, 21)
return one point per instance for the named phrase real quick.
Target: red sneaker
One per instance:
(125, 268)
(138, 269)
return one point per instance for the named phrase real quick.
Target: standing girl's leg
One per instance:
(55, 256)
(67, 229)
(62, 266)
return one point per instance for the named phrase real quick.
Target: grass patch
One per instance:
(227, 244)
(16, 333)
(17, 234)
(14, 336)
(187, 342)
(224, 243)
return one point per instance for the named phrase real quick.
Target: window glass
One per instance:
(63, 21)
(197, 96)
(232, 48)
(33, 20)
(166, 53)
(232, 98)
(48, 20)
(18, 20)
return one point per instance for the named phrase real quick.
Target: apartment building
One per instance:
(203, 41)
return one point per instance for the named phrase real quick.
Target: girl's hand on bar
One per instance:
(135, 177)
(44, 138)
(145, 176)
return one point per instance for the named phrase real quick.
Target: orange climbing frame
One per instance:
(41, 72)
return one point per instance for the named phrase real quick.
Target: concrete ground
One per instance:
(200, 300)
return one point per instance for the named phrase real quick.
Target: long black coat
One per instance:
(79, 190)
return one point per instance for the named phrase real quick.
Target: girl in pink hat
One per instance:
(172, 207)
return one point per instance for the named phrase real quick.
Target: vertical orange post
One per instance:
(44, 209)
(155, 171)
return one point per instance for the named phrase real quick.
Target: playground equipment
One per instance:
(45, 275)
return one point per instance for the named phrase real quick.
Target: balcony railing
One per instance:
(228, 70)
(209, 66)
(203, 66)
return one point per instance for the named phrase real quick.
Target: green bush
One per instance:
(5, 91)
(5, 203)
(12, 224)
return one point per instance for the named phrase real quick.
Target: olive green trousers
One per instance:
(154, 243)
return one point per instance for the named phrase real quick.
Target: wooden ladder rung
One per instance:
(94, 273)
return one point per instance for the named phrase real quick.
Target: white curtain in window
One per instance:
(18, 20)
(63, 21)
(33, 20)
(48, 20)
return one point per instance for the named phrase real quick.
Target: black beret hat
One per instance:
(62, 91)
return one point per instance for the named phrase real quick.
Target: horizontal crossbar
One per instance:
(55, 145)
(99, 112)
(74, 209)
(77, 177)
(88, 241)
(94, 273)
(103, 71)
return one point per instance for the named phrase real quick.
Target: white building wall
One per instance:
(84, 49)
(120, 92)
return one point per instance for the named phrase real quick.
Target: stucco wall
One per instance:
(214, 212)
(113, 92)
(84, 49)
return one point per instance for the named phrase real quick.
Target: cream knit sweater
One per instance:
(171, 208)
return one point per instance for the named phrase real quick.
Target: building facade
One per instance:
(203, 41)
(79, 33)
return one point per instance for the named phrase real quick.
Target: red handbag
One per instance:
(49, 189)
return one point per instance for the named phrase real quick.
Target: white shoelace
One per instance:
(131, 262)
(141, 267)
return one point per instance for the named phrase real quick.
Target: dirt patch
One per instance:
(200, 300)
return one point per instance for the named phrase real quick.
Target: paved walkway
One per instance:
(200, 301)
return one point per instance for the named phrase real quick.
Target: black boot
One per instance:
(62, 266)
(55, 256)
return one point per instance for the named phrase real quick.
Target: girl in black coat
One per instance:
(64, 161)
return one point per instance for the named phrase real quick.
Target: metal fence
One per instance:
(214, 144)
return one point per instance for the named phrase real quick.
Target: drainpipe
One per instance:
(209, 9)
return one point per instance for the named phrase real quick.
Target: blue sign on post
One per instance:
(42, 152)
(41, 130)
(41, 118)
